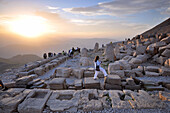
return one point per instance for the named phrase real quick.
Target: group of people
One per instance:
(71, 51)
(49, 55)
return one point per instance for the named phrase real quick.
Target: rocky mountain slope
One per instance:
(163, 27)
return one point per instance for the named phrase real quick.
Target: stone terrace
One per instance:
(138, 78)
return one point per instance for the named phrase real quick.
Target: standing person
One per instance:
(45, 56)
(98, 68)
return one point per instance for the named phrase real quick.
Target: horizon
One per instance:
(51, 22)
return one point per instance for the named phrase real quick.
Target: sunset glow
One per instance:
(29, 26)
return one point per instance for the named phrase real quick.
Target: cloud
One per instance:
(52, 8)
(166, 11)
(119, 7)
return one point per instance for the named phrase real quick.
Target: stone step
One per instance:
(113, 80)
(152, 88)
(151, 74)
(34, 81)
(38, 83)
(90, 83)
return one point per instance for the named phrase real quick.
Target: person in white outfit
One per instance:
(98, 68)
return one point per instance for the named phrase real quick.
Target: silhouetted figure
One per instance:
(54, 54)
(102, 45)
(77, 49)
(45, 56)
(64, 53)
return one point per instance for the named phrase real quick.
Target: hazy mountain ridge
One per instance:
(17, 61)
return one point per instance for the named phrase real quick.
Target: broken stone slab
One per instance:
(151, 74)
(63, 72)
(113, 80)
(130, 73)
(130, 81)
(114, 66)
(166, 53)
(33, 76)
(152, 88)
(142, 100)
(141, 49)
(118, 72)
(88, 73)
(10, 104)
(117, 103)
(93, 105)
(57, 83)
(152, 69)
(63, 100)
(35, 101)
(165, 96)
(78, 73)
(90, 83)
(78, 83)
(39, 71)
(23, 80)
(160, 60)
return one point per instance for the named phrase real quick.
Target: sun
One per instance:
(29, 26)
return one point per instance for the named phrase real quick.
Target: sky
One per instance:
(115, 19)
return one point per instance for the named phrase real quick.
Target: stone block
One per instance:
(135, 61)
(10, 84)
(112, 87)
(35, 101)
(70, 81)
(63, 100)
(166, 53)
(22, 74)
(9, 104)
(113, 80)
(142, 100)
(151, 74)
(39, 71)
(78, 73)
(130, 73)
(90, 83)
(121, 73)
(130, 81)
(152, 69)
(78, 83)
(164, 71)
(63, 72)
(88, 73)
(133, 87)
(152, 88)
(23, 80)
(57, 83)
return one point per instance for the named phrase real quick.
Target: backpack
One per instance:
(97, 67)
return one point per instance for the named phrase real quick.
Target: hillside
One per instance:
(163, 27)
(17, 61)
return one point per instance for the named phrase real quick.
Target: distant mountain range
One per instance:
(163, 27)
(17, 61)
